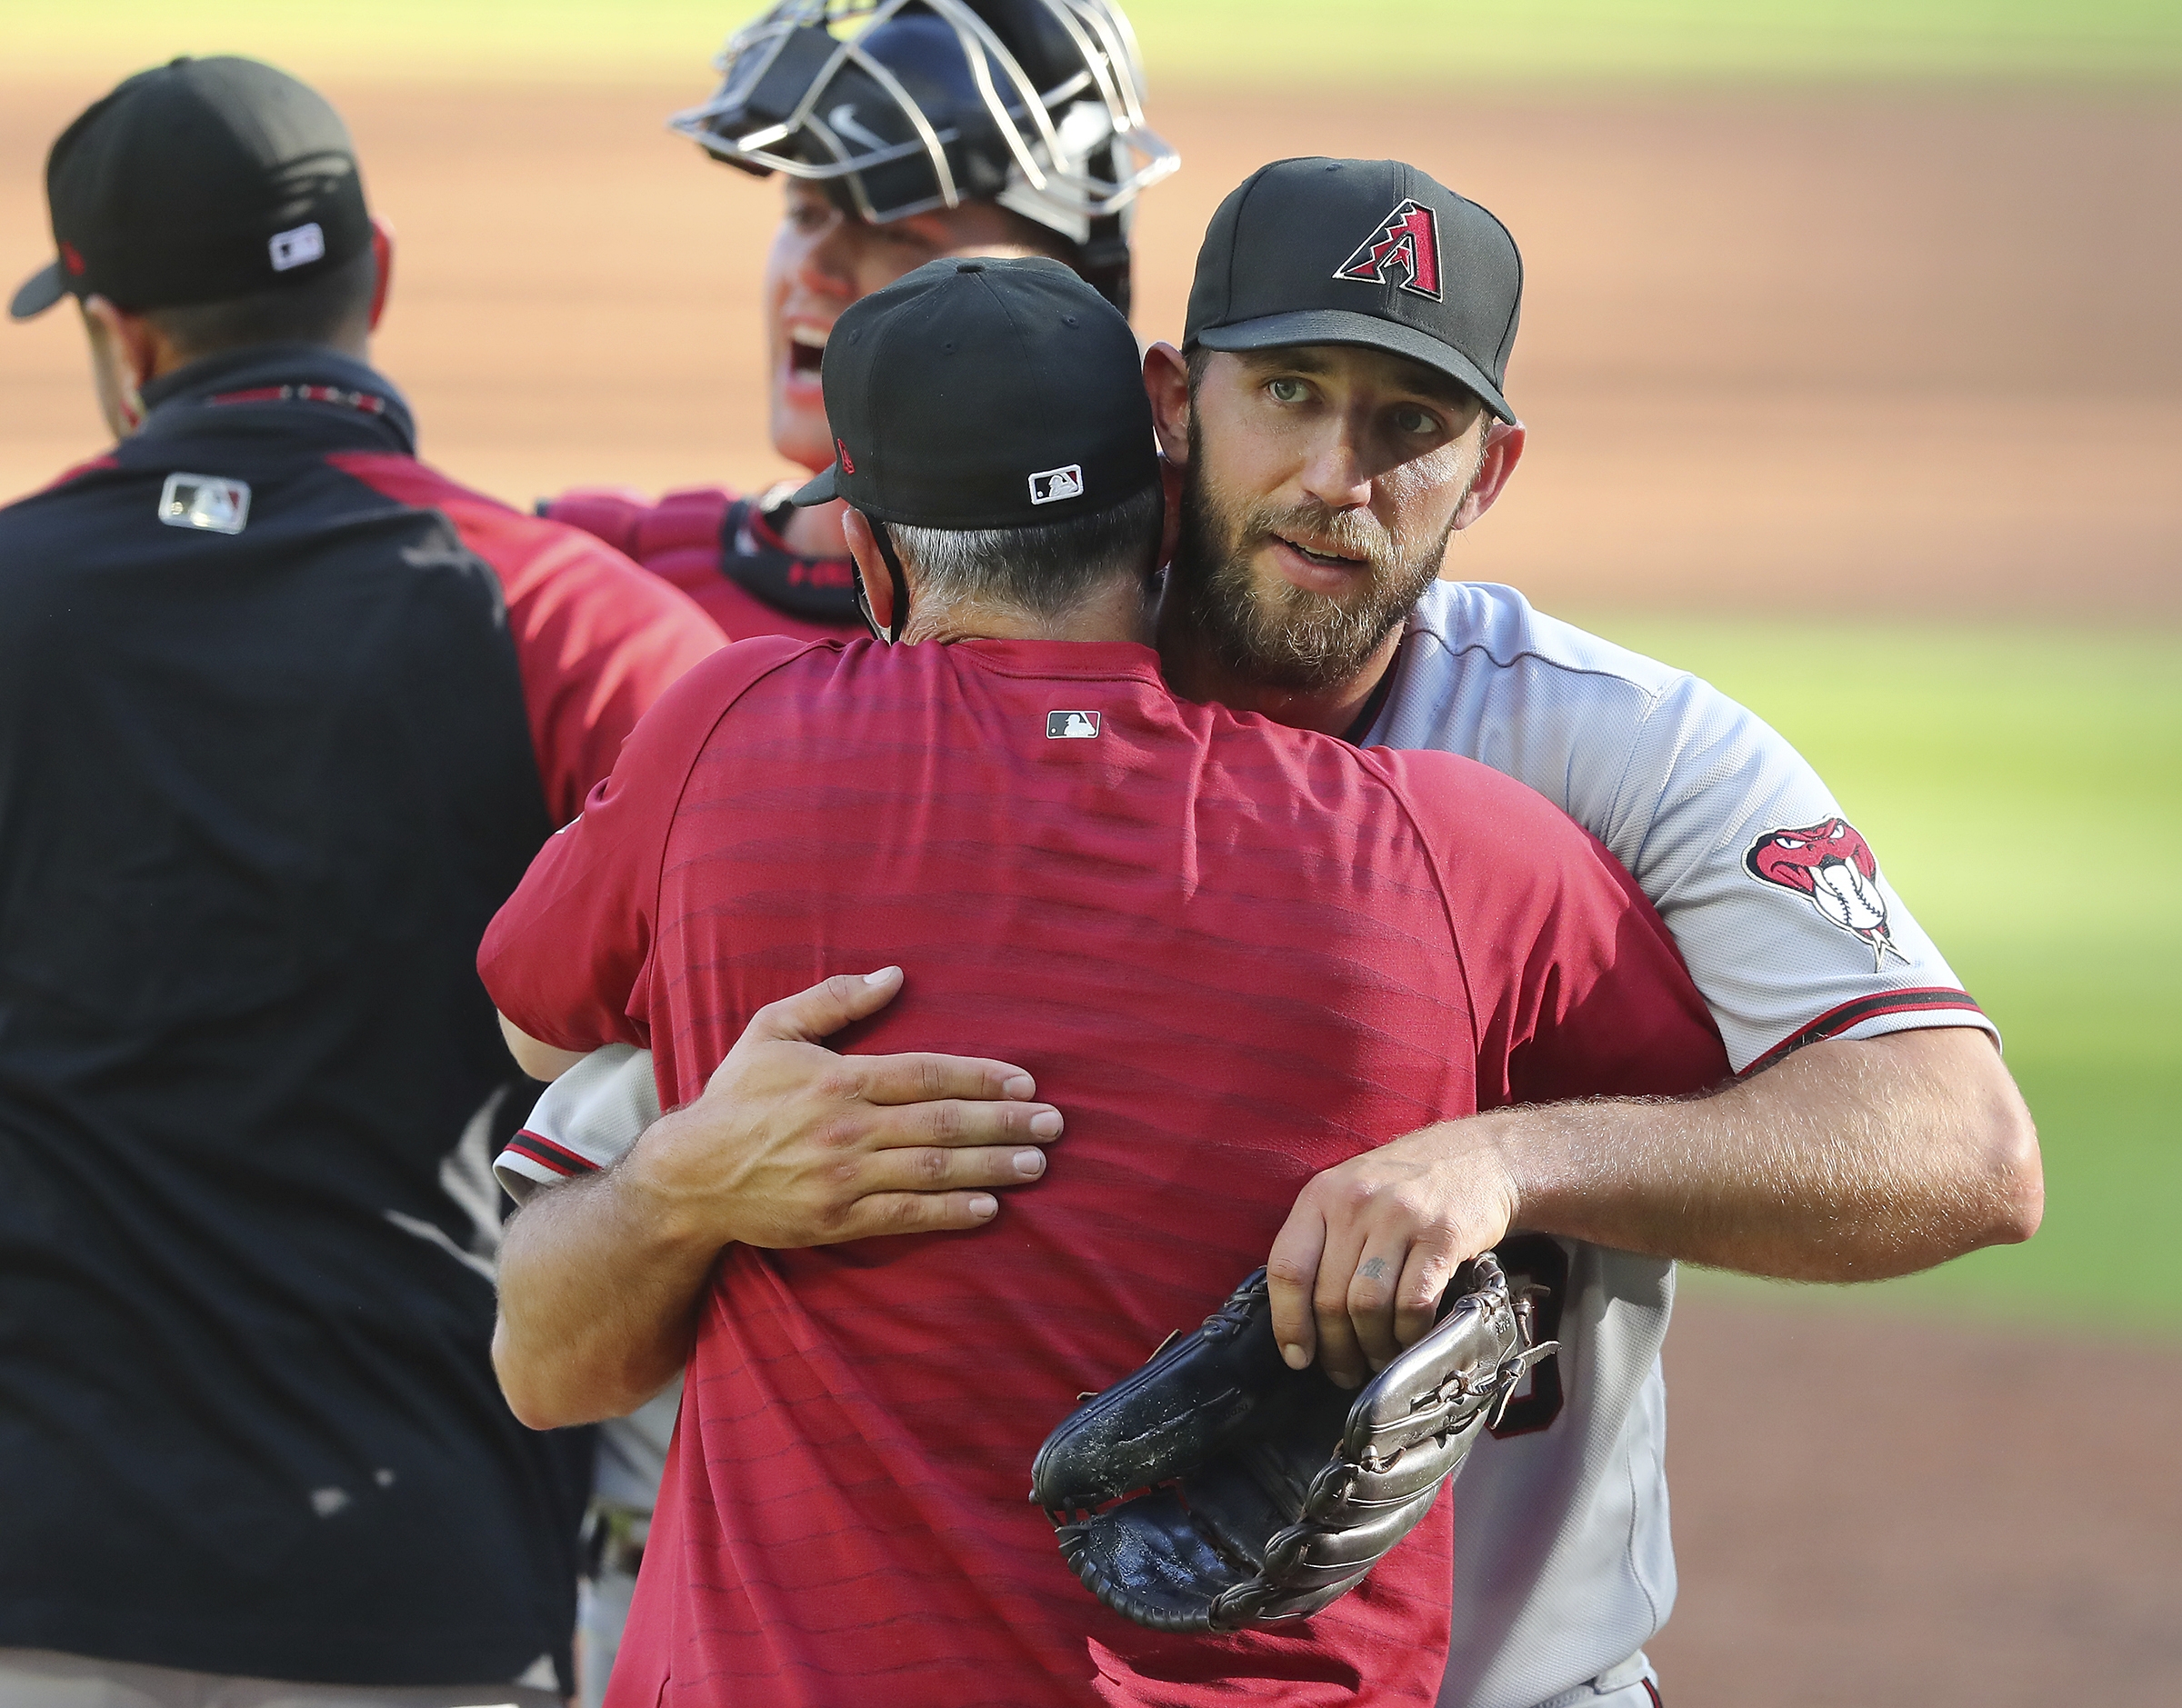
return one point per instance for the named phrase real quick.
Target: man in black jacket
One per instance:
(284, 715)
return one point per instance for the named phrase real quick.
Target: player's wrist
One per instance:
(1542, 1161)
(668, 1195)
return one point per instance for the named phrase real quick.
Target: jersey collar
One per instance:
(284, 383)
(1085, 660)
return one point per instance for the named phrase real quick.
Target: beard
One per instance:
(1277, 634)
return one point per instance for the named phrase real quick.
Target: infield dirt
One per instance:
(1848, 355)
(1828, 354)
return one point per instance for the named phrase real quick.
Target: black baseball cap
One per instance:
(988, 394)
(198, 181)
(1362, 252)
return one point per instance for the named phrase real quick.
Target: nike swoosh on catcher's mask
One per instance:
(843, 119)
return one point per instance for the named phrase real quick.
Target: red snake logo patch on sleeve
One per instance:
(1831, 865)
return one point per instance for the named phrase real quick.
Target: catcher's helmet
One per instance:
(902, 106)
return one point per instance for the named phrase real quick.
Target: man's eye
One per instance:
(1286, 391)
(1416, 420)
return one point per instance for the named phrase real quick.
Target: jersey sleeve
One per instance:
(1781, 909)
(597, 640)
(1573, 980)
(600, 641)
(584, 1120)
(565, 957)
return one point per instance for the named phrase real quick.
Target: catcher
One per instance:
(903, 131)
(1255, 952)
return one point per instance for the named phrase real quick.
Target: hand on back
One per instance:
(794, 1145)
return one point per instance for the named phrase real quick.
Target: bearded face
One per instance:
(1262, 626)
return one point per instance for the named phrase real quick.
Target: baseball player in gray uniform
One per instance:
(1335, 412)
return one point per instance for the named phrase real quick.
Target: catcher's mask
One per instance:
(900, 108)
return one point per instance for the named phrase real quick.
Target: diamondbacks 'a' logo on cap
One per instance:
(1050, 485)
(1404, 251)
(204, 501)
(848, 463)
(1071, 726)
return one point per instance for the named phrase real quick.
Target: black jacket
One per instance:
(261, 788)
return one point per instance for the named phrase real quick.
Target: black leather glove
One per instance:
(1216, 1488)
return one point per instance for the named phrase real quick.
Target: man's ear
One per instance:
(124, 358)
(878, 585)
(1504, 442)
(1166, 384)
(382, 255)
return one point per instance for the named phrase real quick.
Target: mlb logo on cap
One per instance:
(1051, 486)
(204, 501)
(299, 248)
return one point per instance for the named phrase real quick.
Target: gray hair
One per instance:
(1046, 569)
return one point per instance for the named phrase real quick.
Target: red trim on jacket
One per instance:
(597, 640)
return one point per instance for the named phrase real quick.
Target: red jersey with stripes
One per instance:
(1234, 954)
(726, 553)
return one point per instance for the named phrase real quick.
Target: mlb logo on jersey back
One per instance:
(204, 501)
(1052, 484)
(1071, 726)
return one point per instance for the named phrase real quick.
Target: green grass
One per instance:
(2022, 791)
(1288, 42)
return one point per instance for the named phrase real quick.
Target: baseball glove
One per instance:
(1216, 1488)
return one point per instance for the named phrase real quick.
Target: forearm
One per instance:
(1850, 1161)
(600, 1285)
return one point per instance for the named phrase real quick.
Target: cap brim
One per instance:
(1340, 325)
(818, 489)
(39, 293)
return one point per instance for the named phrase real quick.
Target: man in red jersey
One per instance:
(1238, 953)
(914, 125)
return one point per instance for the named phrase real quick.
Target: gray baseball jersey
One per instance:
(1564, 1567)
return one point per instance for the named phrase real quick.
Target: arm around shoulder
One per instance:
(600, 1285)
(1849, 1160)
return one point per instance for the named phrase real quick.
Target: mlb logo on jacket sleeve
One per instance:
(204, 501)
(1071, 726)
